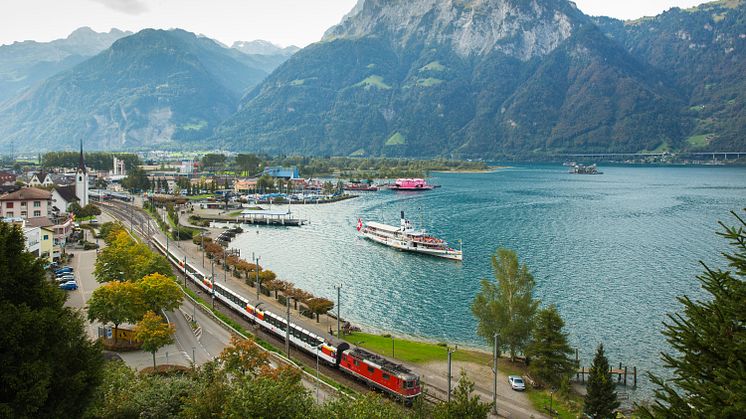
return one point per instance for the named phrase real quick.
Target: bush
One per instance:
(89, 246)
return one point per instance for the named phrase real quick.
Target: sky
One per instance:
(283, 22)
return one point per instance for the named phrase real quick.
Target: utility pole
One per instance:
(202, 235)
(213, 283)
(450, 352)
(339, 288)
(495, 355)
(258, 284)
(287, 329)
(185, 271)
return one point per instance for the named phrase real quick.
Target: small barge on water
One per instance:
(406, 238)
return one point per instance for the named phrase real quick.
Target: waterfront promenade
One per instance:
(434, 374)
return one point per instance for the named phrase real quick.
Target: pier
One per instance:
(621, 373)
(269, 217)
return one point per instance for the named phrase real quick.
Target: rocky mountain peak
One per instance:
(521, 29)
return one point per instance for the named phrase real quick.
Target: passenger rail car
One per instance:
(374, 370)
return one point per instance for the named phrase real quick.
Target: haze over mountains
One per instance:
(412, 78)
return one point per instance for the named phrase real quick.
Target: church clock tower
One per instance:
(81, 180)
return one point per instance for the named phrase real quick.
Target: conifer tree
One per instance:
(709, 340)
(49, 368)
(600, 401)
(549, 352)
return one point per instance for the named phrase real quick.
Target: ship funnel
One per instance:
(402, 215)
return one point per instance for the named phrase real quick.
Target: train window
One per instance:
(386, 376)
(356, 363)
(371, 370)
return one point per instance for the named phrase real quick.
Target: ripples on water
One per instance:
(611, 251)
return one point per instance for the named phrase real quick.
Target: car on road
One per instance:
(516, 382)
(69, 286)
(93, 221)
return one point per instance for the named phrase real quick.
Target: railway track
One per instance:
(141, 223)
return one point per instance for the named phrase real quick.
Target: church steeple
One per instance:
(81, 161)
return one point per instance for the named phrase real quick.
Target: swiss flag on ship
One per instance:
(359, 224)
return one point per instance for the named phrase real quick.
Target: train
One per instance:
(374, 370)
(104, 195)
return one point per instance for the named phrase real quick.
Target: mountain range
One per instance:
(154, 88)
(453, 78)
(23, 64)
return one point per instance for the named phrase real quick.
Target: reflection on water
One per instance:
(611, 251)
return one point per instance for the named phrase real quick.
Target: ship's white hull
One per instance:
(403, 244)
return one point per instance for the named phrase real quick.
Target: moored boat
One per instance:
(411, 185)
(406, 238)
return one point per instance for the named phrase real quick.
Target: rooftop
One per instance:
(27, 194)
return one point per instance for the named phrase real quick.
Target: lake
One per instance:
(612, 251)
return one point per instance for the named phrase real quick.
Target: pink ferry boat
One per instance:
(411, 185)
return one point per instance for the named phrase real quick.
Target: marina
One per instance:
(270, 217)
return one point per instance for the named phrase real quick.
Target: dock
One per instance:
(269, 217)
(621, 373)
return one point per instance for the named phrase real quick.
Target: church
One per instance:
(81, 180)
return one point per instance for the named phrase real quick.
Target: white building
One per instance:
(119, 167)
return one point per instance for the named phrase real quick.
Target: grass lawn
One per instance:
(413, 351)
(198, 197)
(699, 140)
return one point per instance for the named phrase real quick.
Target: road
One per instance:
(213, 336)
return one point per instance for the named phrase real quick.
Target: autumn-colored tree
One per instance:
(116, 302)
(154, 333)
(243, 357)
(273, 285)
(319, 305)
(159, 292)
(214, 250)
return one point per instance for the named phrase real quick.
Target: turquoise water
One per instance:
(611, 251)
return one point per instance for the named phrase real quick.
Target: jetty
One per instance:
(269, 217)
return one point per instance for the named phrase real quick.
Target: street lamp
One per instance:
(258, 284)
(495, 355)
(450, 353)
(339, 288)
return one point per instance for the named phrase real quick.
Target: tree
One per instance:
(136, 180)
(49, 366)
(506, 307)
(125, 259)
(159, 292)
(549, 352)
(463, 405)
(116, 303)
(154, 333)
(212, 161)
(248, 163)
(265, 183)
(319, 306)
(600, 400)
(277, 393)
(243, 357)
(709, 340)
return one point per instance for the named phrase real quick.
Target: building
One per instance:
(40, 179)
(7, 178)
(282, 172)
(62, 197)
(241, 186)
(38, 240)
(26, 203)
(58, 228)
(81, 179)
(119, 167)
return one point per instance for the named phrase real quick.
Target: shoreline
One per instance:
(491, 169)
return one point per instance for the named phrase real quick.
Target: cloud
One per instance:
(131, 7)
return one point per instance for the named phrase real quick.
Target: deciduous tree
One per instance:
(319, 306)
(48, 365)
(708, 363)
(116, 302)
(243, 357)
(159, 292)
(550, 354)
(507, 306)
(600, 400)
(154, 333)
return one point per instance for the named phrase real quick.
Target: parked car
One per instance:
(65, 278)
(63, 270)
(516, 383)
(69, 286)
(64, 273)
(93, 221)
